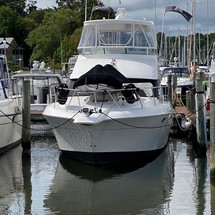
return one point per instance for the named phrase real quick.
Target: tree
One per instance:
(31, 6)
(47, 37)
(79, 5)
(16, 5)
(10, 22)
(68, 47)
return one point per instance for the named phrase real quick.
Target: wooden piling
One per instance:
(26, 118)
(212, 129)
(190, 101)
(174, 86)
(169, 85)
(212, 190)
(200, 113)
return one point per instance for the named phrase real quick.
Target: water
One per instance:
(44, 182)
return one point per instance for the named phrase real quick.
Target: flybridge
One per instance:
(119, 36)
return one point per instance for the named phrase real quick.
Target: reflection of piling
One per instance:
(212, 186)
(26, 134)
(26, 170)
(201, 184)
(212, 129)
(200, 114)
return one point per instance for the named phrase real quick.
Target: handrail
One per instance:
(99, 96)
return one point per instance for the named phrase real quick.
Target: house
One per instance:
(9, 47)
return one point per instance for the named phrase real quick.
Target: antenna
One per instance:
(85, 10)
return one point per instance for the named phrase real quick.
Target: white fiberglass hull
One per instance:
(10, 124)
(118, 130)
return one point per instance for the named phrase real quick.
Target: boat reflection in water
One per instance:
(79, 188)
(11, 182)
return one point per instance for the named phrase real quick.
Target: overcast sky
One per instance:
(171, 23)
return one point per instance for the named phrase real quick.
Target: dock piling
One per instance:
(190, 101)
(212, 129)
(174, 87)
(200, 113)
(169, 87)
(26, 133)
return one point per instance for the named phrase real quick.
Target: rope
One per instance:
(134, 126)
(191, 113)
(33, 129)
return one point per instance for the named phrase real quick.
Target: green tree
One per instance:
(68, 47)
(47, 37)
(79, 5)
(10, 22)
(31, 6)
(16, 5)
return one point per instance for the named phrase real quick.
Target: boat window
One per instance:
(143, 36)
(3, 72)
(119, 35)
(88, 37)
(1, 67)
(126, 38)
(180, 72)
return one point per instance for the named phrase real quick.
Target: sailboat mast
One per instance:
(85, 10)
(194, 29)
(207, 38)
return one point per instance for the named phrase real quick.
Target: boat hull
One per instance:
(113, 139)
(114, 157)
(10, 124)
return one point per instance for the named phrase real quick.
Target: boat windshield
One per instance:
(3, 70)
(1, 67)
(118, 38)
(180, 72)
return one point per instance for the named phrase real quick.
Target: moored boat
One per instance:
(112, 109)
(10, 109)
(184, 82)
(41, 79)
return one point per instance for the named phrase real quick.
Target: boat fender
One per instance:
(63, 93)
(130, 95)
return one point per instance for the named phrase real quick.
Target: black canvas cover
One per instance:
(99, 74)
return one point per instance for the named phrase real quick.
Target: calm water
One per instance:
(43, 182)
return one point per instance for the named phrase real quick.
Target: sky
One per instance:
(171, 23)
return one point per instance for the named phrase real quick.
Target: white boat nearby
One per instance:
(114, 110)
(184, 82)
(41, 79)
(10, 110)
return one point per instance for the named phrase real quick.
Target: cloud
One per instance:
(154, 10)
(174, 23)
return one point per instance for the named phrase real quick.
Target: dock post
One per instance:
(190, 101)
(169, 85)
(26, 133)
(212, 129)
(174, 87)
(200, 113)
